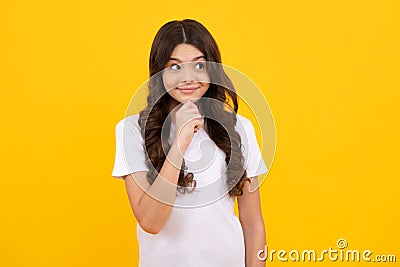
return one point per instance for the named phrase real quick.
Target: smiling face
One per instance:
(185, 76)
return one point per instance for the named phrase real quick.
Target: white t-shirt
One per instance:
(202, 229)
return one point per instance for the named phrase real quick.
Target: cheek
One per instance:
(204, 78)
(170, 81)
(204, 87)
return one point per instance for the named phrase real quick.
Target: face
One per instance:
(185, 76)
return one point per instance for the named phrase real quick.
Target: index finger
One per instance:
(187, 102)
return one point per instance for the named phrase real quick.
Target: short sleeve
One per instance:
(129, 149)
(253, 160)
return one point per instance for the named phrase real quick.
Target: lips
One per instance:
(187, 90)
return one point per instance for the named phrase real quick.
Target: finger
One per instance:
(198, 121)
(185, 104)
(191, 103)
(193, 113)
(197, 126)
(189, 106)
(188, 102)
(191, 110)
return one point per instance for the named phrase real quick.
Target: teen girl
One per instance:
(185, 157)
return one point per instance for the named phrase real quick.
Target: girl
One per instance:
(186, 156)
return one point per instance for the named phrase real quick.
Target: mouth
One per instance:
(187, 90)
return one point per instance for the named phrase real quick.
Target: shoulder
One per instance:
(242, 119)
(129, 122)
(242, 123)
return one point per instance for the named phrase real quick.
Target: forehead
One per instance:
(186, 52)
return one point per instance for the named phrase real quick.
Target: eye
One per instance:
(199, 66)
(174, 67)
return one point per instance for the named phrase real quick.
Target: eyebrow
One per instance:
(196, 58)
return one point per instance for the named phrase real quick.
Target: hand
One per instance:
(188, 122)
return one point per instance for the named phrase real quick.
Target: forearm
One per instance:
(158, 201)
(254, 237)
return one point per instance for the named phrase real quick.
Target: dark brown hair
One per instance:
(154, 117)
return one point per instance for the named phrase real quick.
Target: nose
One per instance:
(187, 74)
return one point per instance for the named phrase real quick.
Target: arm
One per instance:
(148, 207)
(250, 217)
(153, 204)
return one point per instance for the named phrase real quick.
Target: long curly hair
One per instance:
(154, 119)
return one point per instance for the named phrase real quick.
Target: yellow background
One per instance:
(329, 70)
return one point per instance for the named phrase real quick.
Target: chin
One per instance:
(183, 99)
